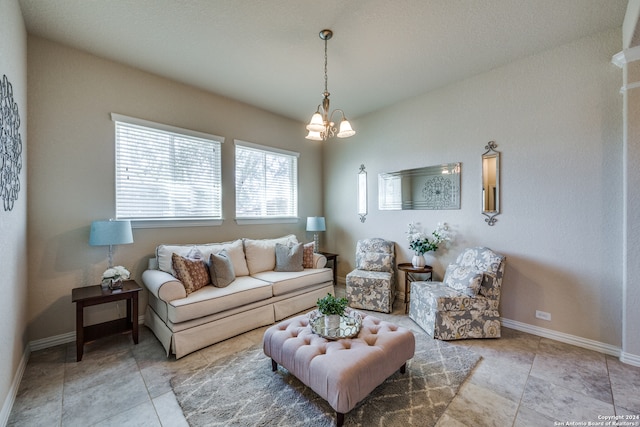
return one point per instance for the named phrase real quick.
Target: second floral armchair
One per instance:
(371, 286)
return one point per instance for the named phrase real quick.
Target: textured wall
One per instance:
(72, 171)
(13, 224)
(557, 119)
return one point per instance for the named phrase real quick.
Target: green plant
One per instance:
(331, 305)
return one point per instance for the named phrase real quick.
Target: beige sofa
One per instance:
(258, 296)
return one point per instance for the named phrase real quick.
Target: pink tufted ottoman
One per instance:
(345, 371)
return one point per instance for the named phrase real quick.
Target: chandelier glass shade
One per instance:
(321, 127)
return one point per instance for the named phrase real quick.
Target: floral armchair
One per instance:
(465, 304)
(371, 286)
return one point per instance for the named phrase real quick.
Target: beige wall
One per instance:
(72, 171)
(13, 224)
(557, 119)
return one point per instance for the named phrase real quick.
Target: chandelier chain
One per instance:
(325, 66)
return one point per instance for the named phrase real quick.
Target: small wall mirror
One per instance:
(491, 183)
(362, 194)
(431, 187)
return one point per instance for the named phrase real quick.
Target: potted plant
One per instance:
(332, 308)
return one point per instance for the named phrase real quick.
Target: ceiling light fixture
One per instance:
(321, 127)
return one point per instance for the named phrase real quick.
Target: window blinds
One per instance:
(266, 182)
(165, 173)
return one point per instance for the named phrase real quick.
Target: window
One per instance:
(166, 174)
(266, 183)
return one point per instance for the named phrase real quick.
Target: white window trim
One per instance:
(274, 220)
(170, 223)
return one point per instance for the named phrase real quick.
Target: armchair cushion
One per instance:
(464, 279)
(375, 255)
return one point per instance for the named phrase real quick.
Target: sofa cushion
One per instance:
(192, 273)
(464, 279)
(221, 269)
(288, 257)
(210, 300)
(235, 250)
(285, 282)
(261, 254)
(307, 255)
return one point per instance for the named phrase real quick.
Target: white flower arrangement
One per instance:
(115, 274)
(421, 243)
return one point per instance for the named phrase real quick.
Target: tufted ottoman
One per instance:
(345, 371)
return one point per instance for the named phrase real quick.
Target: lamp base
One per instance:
(316, 243)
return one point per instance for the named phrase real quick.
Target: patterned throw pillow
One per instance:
(307, 255)
(463, 279)
(192, 273)
(221, 269)
(288, 258)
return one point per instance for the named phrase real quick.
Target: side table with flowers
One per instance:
(420, 243)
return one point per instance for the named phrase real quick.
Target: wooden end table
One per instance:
(94, 295)
(334, 263)
(409, 271)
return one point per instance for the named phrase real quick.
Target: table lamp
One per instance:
(316, 223)
(109, 233)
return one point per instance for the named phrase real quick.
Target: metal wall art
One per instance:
(491, 183)
(10, 146)
(362, 194)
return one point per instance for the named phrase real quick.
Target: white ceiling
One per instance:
(267, 52)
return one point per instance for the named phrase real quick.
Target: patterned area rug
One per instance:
(241, 390)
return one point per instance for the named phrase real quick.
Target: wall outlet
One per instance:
(543, 315)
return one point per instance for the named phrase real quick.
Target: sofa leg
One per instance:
(403, 368)
(274, 365)
(339, 419)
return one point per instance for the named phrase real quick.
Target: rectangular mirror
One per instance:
(431, 187)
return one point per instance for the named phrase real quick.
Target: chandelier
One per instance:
(321, 127)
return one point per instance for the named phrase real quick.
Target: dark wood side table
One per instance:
(94, 295)
(334, 263)
(409, 271)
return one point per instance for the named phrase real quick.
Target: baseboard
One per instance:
(62, 339)
(566, 338)
(13, 390)
(630, 359)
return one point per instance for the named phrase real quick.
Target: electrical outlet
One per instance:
(543, 315)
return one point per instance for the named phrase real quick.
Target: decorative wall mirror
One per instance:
(491, 183)
(432, 187)
(362, 194)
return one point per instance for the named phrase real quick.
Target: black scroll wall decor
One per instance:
(10, 146)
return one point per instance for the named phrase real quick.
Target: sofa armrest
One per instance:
(319, 260)
(163, 285)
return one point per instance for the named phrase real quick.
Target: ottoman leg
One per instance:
(339, 419)
(274, 365)
(403, 368)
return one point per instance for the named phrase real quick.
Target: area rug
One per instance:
(241, 390)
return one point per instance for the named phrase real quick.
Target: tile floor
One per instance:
(522, 380)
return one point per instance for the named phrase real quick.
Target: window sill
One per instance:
(260, 221)
(174, 223)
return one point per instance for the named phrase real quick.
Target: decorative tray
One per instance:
(350, 324)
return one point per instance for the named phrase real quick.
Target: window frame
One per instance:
(243, 220)
(170, 221)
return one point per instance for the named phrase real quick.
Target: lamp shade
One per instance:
(345, 129)
(105, 233)
(316, 223)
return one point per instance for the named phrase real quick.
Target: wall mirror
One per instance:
(431, 187)
(491, 183)
(362, 194)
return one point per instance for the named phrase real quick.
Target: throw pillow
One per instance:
(466, 280)
(221, 269)
(307, 255)
(288, 258)
(192, 273)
